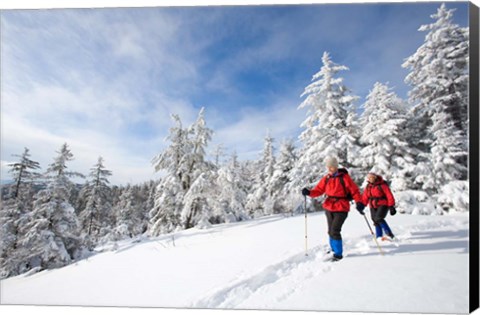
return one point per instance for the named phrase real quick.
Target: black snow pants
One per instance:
(335, 221)
(379, 214)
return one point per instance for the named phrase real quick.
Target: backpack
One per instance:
(348, 195)
(381, 189)
(379, 186)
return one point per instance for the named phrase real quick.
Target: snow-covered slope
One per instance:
(261, 264)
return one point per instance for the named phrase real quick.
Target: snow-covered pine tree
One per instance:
(23, 173)
(268, 158)
(144, 200)
(231, 187)
(281, 178)
(269, 168)
(385, 149)
(52, 234)
(259, 201)
(439, 79)
(184, 161)
(446, 154)
(327, 130)
(197, 209)
(354, 130)
(195, 158)
(14, 213)
(129, 218)
(97, 195)
(165, 215)
(218, 155)
(115, 193)
(148, 201)
(439, 68)
(13, 217)
(198, 168)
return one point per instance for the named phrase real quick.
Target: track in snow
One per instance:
(238, 291)
(298, 269)
(292, 272)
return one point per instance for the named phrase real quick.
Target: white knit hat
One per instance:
(331, 161)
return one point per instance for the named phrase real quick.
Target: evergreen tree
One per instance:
(231, 193)
(97, 194)
(259, 201)
(267, 174)
(439, 69)
(14, 214)
(268, 159)
(445, 155)
(142, 195)
(23, 173)
(439, 80)
(281, 178)
(197, 208)
(129, 217)
(184, 161)
(218, 154)
(386, 151)
(327, 130)
(197, 177)
(52, 234)
(13, 218)
(172, 158)
(165, 215)
(196, 158)
(149, 203)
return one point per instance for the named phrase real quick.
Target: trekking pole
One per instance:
(373, 235)
(305, 210)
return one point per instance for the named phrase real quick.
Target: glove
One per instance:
(392, 210)
(360, 207)
(305, 192)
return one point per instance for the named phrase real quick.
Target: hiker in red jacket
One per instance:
(380, 200)
(339, 188)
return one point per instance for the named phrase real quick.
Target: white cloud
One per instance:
(84, 77)
(247, 134)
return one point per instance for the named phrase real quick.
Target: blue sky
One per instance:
(106, 80)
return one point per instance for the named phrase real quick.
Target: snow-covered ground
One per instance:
(261, 264)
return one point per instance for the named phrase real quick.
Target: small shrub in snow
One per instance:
(416, 202)
(454, 196)
(203, 224)
(230, 218)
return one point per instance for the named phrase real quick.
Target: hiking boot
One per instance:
(335, 258)
(390, 237)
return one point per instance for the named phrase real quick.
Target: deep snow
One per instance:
(261, 264)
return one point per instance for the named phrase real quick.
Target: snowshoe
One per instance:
(334, 258)
(390, 237)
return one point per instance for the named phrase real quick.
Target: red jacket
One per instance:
(378, 194)
(331, 186)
